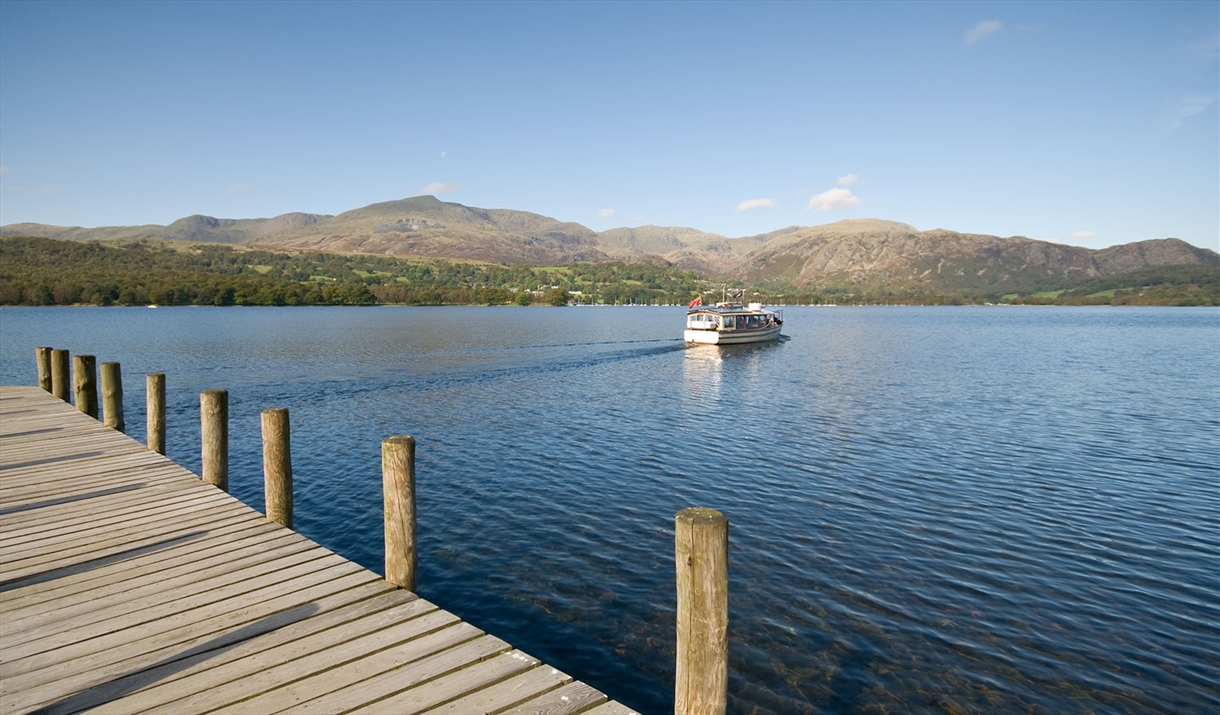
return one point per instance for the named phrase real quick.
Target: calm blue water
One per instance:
(932, 509)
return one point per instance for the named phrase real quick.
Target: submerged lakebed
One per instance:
(931, 509)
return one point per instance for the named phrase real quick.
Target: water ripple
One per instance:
(932, 510)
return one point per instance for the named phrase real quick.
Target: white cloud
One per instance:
(832, 199)
(1185, 108)
(848, 180)
(605, 213)
(754, 204)
(234, 188)
(444, 154)
(982, 30)
(1084, 234)
(437, 187)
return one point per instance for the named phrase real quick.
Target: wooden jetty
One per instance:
(129, 585)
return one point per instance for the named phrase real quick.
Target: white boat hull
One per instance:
(730, 337)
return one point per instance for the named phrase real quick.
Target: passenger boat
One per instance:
(731, 323)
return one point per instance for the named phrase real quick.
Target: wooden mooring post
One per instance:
(43, 358)
(277, 466)
(214, 433)
(84, 381)
(112, 396)
(155, 411)
(701, 546)
(398, 488)
(61, 376)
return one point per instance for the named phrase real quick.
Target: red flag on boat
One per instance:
(696, 302)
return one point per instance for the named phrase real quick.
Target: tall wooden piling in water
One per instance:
(43, 358)
(214, 432)
(84, 381)
(61, 376)
(701, 545)
(155, 411)
(112, 396)
(277, 465)
(398, 487)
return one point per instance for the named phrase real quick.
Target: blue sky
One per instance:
(1091, 124)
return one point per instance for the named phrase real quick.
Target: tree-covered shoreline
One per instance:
(38, 271)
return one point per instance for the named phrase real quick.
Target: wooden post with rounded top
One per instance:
(398, 488)
(43, 357)
(701, 546)
(84, 380)
(112, 396)
(155, 411)
(214, 430)
(277, 466)
(61, 378)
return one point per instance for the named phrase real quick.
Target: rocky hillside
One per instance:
(867, 253)
(872, 254)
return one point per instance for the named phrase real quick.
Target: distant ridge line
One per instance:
(866, 252)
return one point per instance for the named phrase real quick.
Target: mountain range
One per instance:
(865, 253)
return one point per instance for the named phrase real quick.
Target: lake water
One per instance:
(931, 509)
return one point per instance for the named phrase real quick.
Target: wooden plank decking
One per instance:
(127, 585)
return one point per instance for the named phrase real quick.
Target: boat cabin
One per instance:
(732, 323)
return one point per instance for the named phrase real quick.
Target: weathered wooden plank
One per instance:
(90, 458)
(35, 430)
(409, 640)
(219, 539)
(88, 475)
(83, 529)
(455, 684)
(506, 693)
(358, 697)
(150, 638)
(127, 596)
(83, 631)
(610, 708)
(103, 503)
(41, 491)
(574, 697)
(141, 582)
(54, 566)
(82, 455)
(58, 521)
(47, 487)
(196, 523)
(32, 447)
(133, 667)
(159, 502)
(329, 681)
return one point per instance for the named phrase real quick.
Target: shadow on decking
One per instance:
(138, 679)
(52, 460)
(69, 500)
(100, 561)
(29, 433)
